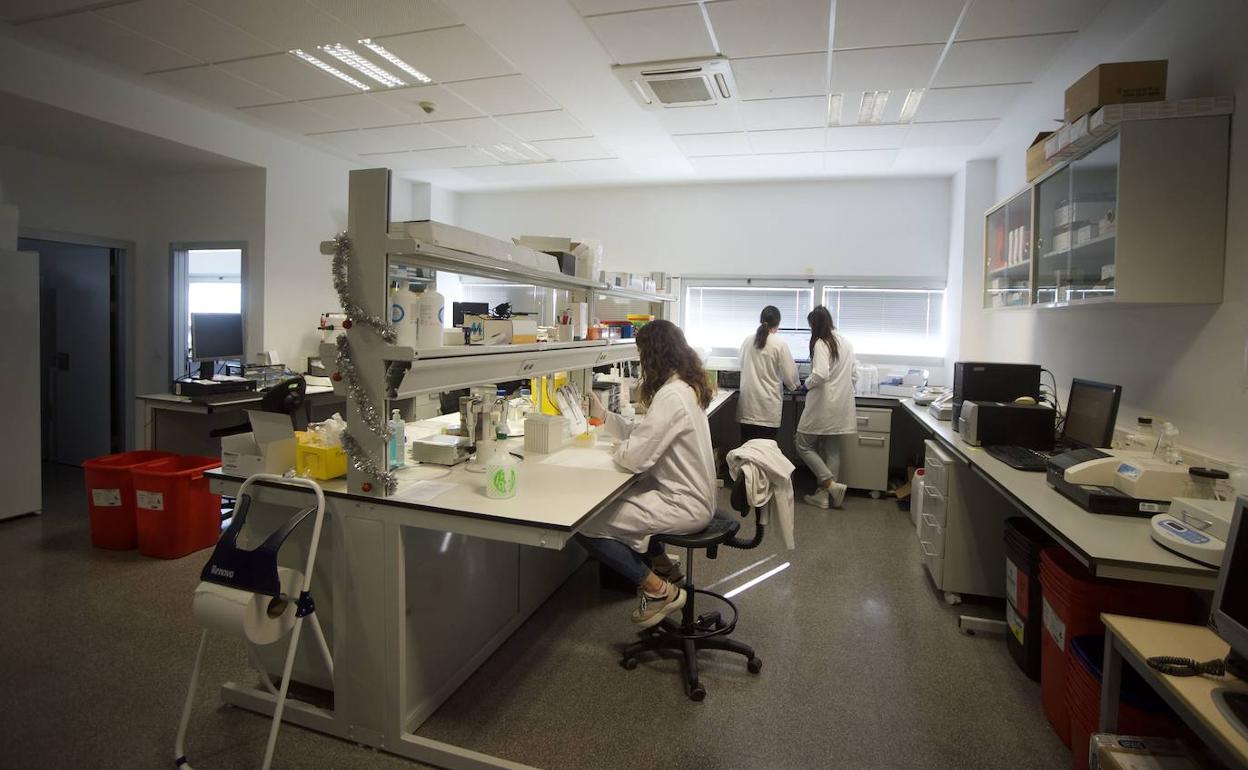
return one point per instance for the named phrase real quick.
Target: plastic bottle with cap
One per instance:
(397, 445)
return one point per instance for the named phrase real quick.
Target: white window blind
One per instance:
(892, 322)
(722, 316)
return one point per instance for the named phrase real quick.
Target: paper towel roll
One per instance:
(257, 617)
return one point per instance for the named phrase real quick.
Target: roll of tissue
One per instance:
(257, 617)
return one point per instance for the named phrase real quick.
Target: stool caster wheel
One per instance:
(629, 663)
(697, 692)
(754, 665)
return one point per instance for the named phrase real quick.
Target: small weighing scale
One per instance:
(1195, 529)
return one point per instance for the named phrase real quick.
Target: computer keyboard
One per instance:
(1019, 457)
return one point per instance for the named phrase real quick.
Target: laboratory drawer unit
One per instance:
(864, 455)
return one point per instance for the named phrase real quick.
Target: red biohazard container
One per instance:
(175, 512)
(110, 498)
(1072, 603)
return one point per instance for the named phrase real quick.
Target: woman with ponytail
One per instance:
(829, 412)
(766, 365)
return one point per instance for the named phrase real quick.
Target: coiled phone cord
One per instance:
(1187, 667)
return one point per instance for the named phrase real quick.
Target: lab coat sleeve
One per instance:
(820, 366)
(619, 426)
(787, 368)
(664, 421)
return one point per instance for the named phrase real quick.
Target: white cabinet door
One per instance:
(864, 461)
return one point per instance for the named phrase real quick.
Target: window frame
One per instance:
(818, 285)
(179, 282)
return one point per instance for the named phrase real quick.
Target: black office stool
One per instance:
(701, 632)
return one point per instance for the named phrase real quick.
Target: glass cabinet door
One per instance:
(1054, 217)
(1007, 267)
(1094, 187)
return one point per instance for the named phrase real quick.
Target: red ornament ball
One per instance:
(336, 376)
(366, 487)
(346, 324)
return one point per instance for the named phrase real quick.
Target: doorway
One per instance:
(81, 346)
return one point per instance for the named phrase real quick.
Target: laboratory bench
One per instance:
(173, 423)
(416, 590)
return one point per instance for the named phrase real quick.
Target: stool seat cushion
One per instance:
(723, 526)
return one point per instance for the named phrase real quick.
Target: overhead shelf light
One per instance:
(835, 102)
(872, 108)
(911, 105)
(378, 49)
(315, 62)
(361, 65)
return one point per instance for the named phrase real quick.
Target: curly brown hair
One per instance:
(664, 352)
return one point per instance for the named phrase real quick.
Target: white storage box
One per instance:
(545, 433)
(269, 448)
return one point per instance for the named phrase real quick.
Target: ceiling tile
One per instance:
(288, 76)
(958, 133)
(380, 140)
(760, 166)
(1002, 18)
(539, 126)
(858, 161)
(590, 7)
(187, 28)
(521, 173)
(787, 140)
(96, 35)
(479, 131)
(285, 24)
(654, 35)
(426, 160)
(218, 86)
(865, 137)
(371, 18)
(359, 111)
(969, 103)
(1010, 60)
(695, 145)
(13, 10)
(597, 168)
(869, 23)
(503, 95)
(702, 119)
(456, 53)
(877, 69)
(294, 116)
(802, 112)
(766, 28)
(574, 149)
(447, 106)
(781, 76)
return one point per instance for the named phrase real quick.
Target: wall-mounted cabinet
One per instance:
(1138, 218)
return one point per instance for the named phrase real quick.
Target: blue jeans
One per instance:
(822, 454)
(619, 557)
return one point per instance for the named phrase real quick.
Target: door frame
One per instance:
(124, 359)
(250, 348)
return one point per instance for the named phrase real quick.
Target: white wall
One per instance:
(1186, 364)
(858, 228)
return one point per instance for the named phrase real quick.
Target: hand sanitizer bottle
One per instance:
(397, 446)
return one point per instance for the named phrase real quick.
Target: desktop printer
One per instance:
(986, 381)
(994, 423)
(1118, 483)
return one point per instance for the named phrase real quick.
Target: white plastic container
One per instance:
(501, 476)
(916, 497)
(545, 433)
(429, 311)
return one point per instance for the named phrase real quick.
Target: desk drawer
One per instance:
(935, 505)
(873, 420)
(937, 464)
(864, 461)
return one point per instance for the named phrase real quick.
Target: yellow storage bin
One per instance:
(318, 462)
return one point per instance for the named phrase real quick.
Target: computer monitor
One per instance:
(798, 341)
(1230, 611)
(1091, 412)
(216, 336)
(475, 308)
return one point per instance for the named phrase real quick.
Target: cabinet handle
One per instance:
(926, 550)
(863, 420)
(930, 520)
(932, 494)
(876, 440)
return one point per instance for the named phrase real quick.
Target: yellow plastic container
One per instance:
(319, 462)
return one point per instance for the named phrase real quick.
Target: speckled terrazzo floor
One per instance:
(863, 667)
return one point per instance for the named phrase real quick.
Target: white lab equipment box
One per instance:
(269, 448)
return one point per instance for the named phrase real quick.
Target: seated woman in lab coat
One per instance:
(829, 413)
(671, 446)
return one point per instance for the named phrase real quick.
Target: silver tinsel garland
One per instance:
(373, 417)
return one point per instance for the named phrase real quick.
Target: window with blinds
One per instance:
(722, 316)
(889, 322)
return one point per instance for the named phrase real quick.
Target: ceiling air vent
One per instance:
(687, 83)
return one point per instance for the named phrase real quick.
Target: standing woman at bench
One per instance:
(767, 367)
(829, 413)
(671, 447)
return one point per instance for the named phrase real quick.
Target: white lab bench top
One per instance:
(1112, 546)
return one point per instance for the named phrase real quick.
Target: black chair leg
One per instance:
(689, 666)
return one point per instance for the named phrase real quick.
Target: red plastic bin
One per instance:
(1073, 600)
(110, 498)
(175, 512)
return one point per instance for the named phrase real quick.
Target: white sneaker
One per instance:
(652, 609)
(819, 499)
(837, 494)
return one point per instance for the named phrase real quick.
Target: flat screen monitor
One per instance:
(1230, 615)
(1091, 412)
(459, 308)
(216, 336)
(798, 341)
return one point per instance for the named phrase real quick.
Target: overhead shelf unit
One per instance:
(385, 372)
(1137, 216)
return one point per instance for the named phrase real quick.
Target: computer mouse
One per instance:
(1025, 400)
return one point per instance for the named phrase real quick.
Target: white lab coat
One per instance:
(768, 483)
(763, 372)
(671, 445)
(830, 391)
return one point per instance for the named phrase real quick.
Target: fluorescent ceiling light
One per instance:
(834, 108)
(911, 105)
(872, 108)
(315, 62)
(511, 154)
(396, 61)
(360, 64)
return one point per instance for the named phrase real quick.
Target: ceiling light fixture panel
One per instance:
(911, 105)
(361, 65)
(835, 104)
(872, 108)
(315, 62)
(381, 51)
(511, 153)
